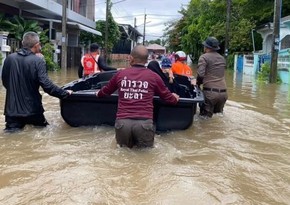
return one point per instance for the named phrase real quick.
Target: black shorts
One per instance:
(132, 132)
(15, 123)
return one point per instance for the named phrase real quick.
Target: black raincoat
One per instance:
(22, 75)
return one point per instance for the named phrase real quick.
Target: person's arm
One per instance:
(200, 70)
(80, 70)
(5, 71)
(108, 89)
(170, 75)
(48, 86)
(164, 93)
(103, 66)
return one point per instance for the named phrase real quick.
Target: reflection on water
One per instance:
(242, 157)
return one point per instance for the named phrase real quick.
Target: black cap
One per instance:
(212, 43)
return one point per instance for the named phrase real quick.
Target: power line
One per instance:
(157, 16)
(152, 25)
(132, 16)
(98, 3)
(115, 11)
(158, 36)
(116, 2)
(164, 15)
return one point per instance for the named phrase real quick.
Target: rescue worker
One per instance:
(92, 62)
(211, 74)
(136, 87)
(181, 68)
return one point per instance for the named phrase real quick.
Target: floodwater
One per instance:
(242, 157)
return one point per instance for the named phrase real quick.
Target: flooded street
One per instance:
(242, 157)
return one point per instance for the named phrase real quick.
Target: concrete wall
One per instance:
(284, 65)
(252, 64)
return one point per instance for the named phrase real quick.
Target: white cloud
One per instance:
(158, 12)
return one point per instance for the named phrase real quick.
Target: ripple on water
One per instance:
(241, 157)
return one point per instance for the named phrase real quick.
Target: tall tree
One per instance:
(113, 37)
(18, 26)
(204, 18)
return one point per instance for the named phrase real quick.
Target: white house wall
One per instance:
(267, 33)
(267, 44)
(284, 32)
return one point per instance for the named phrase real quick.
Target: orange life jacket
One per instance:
(181, 68)
(89, 64)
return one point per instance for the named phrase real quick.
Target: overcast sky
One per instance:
(158, 12)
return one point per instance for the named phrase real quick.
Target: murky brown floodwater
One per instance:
(242, 157)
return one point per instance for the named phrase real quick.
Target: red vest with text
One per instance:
(89, 64)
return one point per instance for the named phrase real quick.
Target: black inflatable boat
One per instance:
(83, 108)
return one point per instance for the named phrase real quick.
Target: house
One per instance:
(129, 38)
(250, 63)
(266, 32)
(156, 49)
(80, 16)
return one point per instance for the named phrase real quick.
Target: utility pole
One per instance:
(135, 40)
(276, 41)
(145, 15)
(227, 38)
(106, 30)
(63, 38)
(253, 40)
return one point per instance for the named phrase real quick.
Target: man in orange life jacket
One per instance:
(181, 68)
(92, 62)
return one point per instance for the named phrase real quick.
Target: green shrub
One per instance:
(264, 74)
(47, 51)
(230, 61)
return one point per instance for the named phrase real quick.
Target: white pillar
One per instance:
(4, 48)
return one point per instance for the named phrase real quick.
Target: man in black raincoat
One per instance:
(22, 75)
